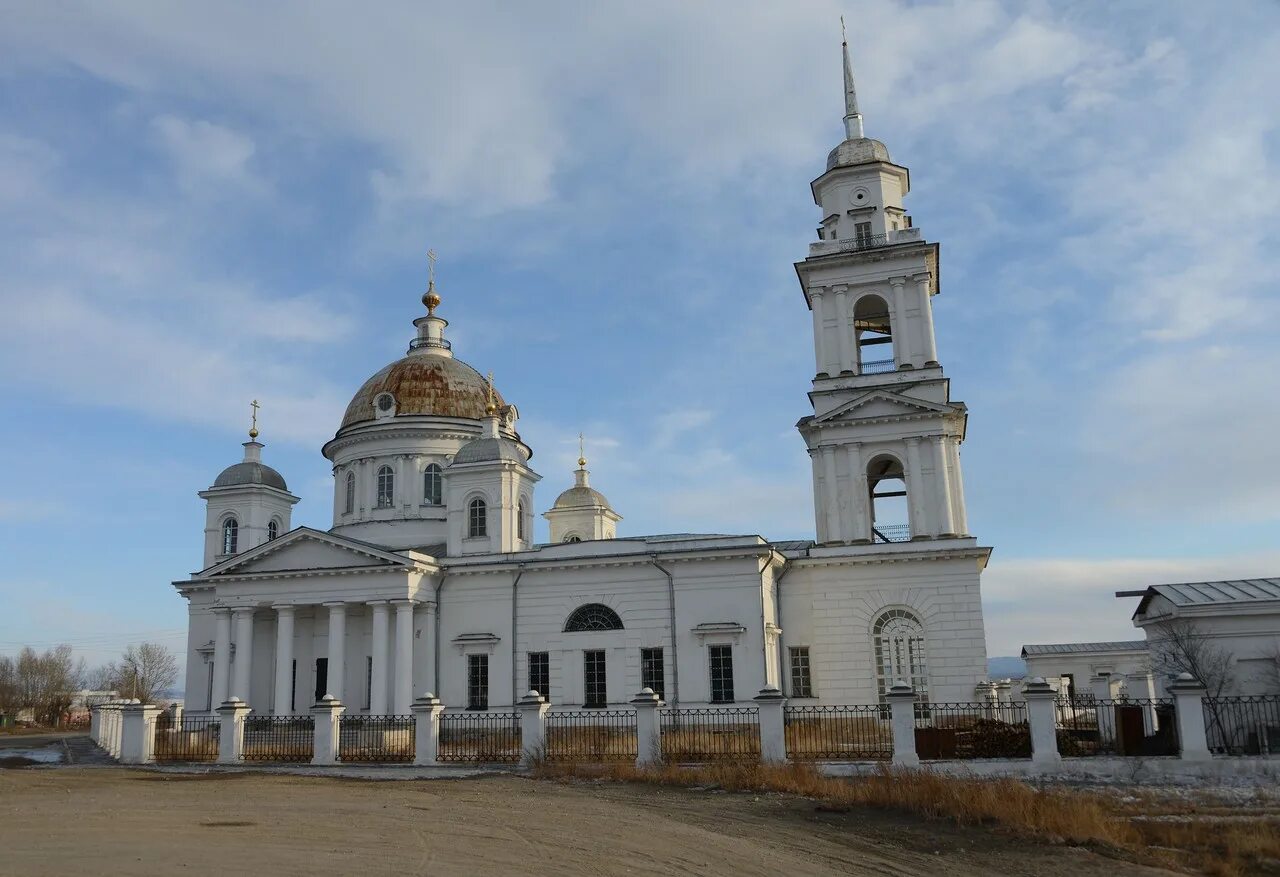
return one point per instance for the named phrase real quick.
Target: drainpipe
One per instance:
(671, 609)
(515, 697)
(783, 671)
(435, 683)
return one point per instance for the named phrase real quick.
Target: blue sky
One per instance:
(202, 205)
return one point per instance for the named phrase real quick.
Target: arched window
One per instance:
(477, 518)
(433, 485)
(350, 505)
(520, 524)
(230, 535)
(890, 518)
(873, 331)
(273, 530)
(900, 652)
(593, 616)
(572, 538)
(386, 487)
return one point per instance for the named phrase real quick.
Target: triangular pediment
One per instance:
(306, 549)
(881, 403)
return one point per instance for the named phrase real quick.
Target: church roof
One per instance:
(438, 385)
(250, 473)
(1084, 648)
(484, 450)
(580, 496)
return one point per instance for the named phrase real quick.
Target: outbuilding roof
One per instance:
(1083, 648)
(1234, 591)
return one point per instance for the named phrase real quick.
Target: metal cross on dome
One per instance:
(253, 427)
(431, 266)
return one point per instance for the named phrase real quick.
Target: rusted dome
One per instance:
(439, 385)
(855, 151)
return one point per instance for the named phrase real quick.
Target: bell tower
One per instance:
(884, 437)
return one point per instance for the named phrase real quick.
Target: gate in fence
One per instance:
(1128, 727)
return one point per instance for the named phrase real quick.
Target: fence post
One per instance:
(648, 734)
(773, 730)
(327, 715)
(533, 727)
(426, 728)
(175, 715)
(137, 733)
(1041, 715)
(95, 722)
(1188, 699)
(986, 694)
(231, 730)
(902, 703)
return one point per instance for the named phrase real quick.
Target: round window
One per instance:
(385, 401)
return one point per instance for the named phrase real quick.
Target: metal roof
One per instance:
(1237, 591)
(250, 472)
(1076, 648)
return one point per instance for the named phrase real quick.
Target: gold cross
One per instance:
(582, 451)
(490, 383)
(253, 428)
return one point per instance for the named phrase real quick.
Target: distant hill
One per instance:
(1008, 667)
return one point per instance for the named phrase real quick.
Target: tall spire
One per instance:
(852, 118)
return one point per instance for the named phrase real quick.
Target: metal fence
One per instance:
(592, 735)
(1126, 726)
(376, 738)
(479, 737)
(279, 738)
(195, 738)
(972, 730)
(1243, 725)
(838, 732)
(877, 367)
(710, 734)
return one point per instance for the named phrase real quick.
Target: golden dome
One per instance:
(424, 385)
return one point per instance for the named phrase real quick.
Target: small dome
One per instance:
(485, 450)
(579, 496)
(250, 473)
(862, 150)
(439, 385)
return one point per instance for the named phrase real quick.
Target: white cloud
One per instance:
(206, 156)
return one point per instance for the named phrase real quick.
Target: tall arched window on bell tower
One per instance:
(873, 332)
(230, 535)
(890, 511)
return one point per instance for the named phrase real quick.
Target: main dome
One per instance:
(438, 385)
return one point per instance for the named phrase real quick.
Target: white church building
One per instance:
(429, 579)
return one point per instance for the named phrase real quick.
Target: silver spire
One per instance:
(852, 118)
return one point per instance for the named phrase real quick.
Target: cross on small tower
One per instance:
(431, 267)
(253, 427)
(582, 452)
(491, 407)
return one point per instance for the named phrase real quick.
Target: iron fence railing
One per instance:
(838, 732)
(592, 735)
(864, 242)
(279, 738)
(1243, 725)
(479, 737)
(1124, 726)
(877, 367)
(430, 342)
(194, 738)
(891, 532)
(710, 734)
(972, 730)
(376, 738)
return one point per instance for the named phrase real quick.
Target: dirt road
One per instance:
(117, 821)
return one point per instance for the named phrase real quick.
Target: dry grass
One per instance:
(1225, 849)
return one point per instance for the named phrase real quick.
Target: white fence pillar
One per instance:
(95, 723)
(648, 734)
(1041, 715)
(138, 733)
(231, 717)
(902, 703)
(533, 727)
(327, 714)
(426, 728)
(175, 715)
(773, 730)
(1188, 699)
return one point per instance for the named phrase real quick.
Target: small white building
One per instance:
(1238, 619)
(428, 578)
(1079, 664)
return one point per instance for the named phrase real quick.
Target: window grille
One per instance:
(801, 681)
(273, 530)
(386, 487)
(593, 616)
(652, 673)
(594, 691)
(433, 485)
(900, 652)
(721, 674)
(477, 682)
(477, 518)
(862, 232)
(230, 535)
(350, 505)
(540, 674)
(520, 511)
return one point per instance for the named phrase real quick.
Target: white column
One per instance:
(365, 490)
(284, 660)
(403, 684)
(327, 715)
(842, 329)
(929, 345)
(221, 656)
(533, 709)
(772, 725)
(1042, 717)
(859, 497)
(902, 722)
(819, 500)
(957, 488)
(426, 738)
(429, 643)
(649, 747)
(832, 504)
(1142, 686)
(946, 519)
(819, 329)
(915, 492)
(400, 496)
(898, 314)
(378, 684)
(337, 672)
(1188, 704)
(244, 652)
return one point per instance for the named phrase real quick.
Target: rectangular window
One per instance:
(540, 674)
(801, 681)
(593, 683)
(651, 671)
(477, 682)
(368, 681)
(721, 674)
(322, 678)
(862, 232)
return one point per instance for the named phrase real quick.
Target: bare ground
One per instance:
(118, 821)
